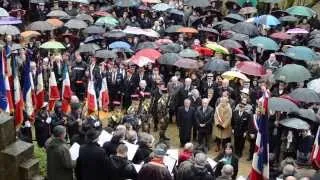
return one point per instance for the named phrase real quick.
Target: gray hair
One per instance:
(201, 159)
(195, 93)
(227, 170)
(146, 138)
(131, 136)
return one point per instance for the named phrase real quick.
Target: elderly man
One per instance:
(204, 116)
(185, 120)
(184, 91)
(226, 173)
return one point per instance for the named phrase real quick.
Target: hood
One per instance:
(118, 162)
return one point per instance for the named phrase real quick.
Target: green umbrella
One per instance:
(234, 18)
(301, 53)
(52, 45)
(189, 53)
(301, 11)
(264, 43)
(107, 21)
(292, 73)
(253, 2)
(169, 58)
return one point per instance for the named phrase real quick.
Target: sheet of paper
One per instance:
(212, 163)
(74, 151)
(137, 167)
(174, 153)
(104, 137)
(132, 149)
(169, 162)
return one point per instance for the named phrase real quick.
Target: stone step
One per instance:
(29, 169)
(38, 177)
(7, 130)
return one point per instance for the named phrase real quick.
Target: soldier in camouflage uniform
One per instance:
(116, 118)
(163, 113)
(132, 113)
(144, 112)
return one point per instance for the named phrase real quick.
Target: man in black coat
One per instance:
(78, 76)
(114, 81)
(91, 160)
(204, 118)
(128, 88)
(185, 118)
(184, 92)
(208, 84)
(42, 125)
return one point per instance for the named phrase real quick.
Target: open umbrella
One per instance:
(248, 10)
(163, 41)
(94, 30)
(301, 11)
(41, 26)
(90, 48)
(245, 28)
(307, 114)
(282, 104)
(30, 34)
(147, 44)
(301, 53)
(252, 2)
(107, 21)
(280, 36)
(292, 73)
(189, 53)
(267, 20)
(288, 19)
(230, 3)
(210, 30)
(264, 43)
(173, 28)
(170, 48)
(234, 18)
(127, 3)
(55, 22)
(187, 63)
(197, 3)
(162, 7)
(297, 31)
(204, 51)
(176, 12)
(239, 37)
(3, 12)
(105, 54)
(279, 13)
(151, 1)
(216, 65)
(76, 24)
(149, 53)
(77, 1)
(140, 60)
(119, 45)
(251, 68)
(235, 74)
(52, 45)
(305, 95)
(314, 43)
(9, 20)
(295, 123)
(151, 33)
(230, 44)
(114, 34)
(93, 38)
(9, 29)
(133, 30)
(187, 30)
(169, 58)
(85, 17)
(243, 57)
(314, 85)
(57, 13)
(217, 48)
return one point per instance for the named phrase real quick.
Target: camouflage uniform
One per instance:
(163, 114)
(115, 119)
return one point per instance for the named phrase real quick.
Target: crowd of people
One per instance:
(224, 73)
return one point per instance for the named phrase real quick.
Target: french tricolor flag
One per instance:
(54, 93)
(27, 88)
(3, 92)
(9, 95)
(315, 154)
(104, 95)
(66, 89)
(91, 98)
(40, 93)
(18, 101)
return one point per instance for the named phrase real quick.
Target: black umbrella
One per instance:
(170, 48)
(114, 34)
(295, 123)
(231, 3)
(246, 28)
(169, 58)
(93, 38)
(240, 37)
(229, 43)
(90, 48)
(282, 104)
(314, 43)
(106, 54)
(197, 3)
(85, 17)
(234, 18)
(216, 65)
(305, 95)
(210, 30)
(147, 44)
(279, 13)
(224, 25)
(94, 30)
(173, 28)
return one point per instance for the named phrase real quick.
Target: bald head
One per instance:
(188, 146)
(227, 170)
(288, 170)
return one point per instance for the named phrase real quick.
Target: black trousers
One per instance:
(184, 135)
(239, 144)
(203, 138)
(252, 147)
(222, 142)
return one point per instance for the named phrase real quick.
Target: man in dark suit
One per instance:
(204, 117)
(114, 80)
(184, 92)
(155, 94)
(206, 85)
(185, 118)
(239, 123)
(128, 88)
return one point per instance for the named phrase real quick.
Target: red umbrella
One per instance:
(251, 68)
(280, 36)
(187, 63)
(141, 60)
(149, 53)
(163, 41)
(204, 51)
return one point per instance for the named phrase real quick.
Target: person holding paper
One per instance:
(227, 157)
(59, 163)
(145, 148)
(111, 147)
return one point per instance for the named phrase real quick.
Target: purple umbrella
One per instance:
(297, 31)
(9, 20)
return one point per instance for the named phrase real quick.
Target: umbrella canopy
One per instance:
(30, 34)
(3, 12)
(282, 104)
(170, 48)
(280, 36)
(52, 45)
(85, 17)
(244, 57)
(210, 30)
(162, 7)
(307, 114)
(217, 48)
(297, 31)
(77, 1)
(140, 60)
(173, 28)
(9, 29)
(197, 3)
(151, 1)
(76, 24)
(93, 38)
(234, 18)
(240, 37)
(151, 33)
(204, 51)
(163, 41)
(292, 73)
(245, 28)
(41, 26)
(224, 25)
(114, 34)
(176, 12)
(305, 95)
(251, 68)
(267, 20)
(9, 20)
(133, 30)
(149, 53)
(229, 43)
(127, 3)
(235, 74)
(314, 85)
(314, 43)
(119, 45)
(189, 53)
(57, 13)
(169, 58)
(301, 11)
(248, 10)
(187, 30)
(264, 43)
(90, 48)
(216, 65)
(55, 22)
(253, 2)
(301, 53)
(147, 44)
(288, 19)
(94, 30)
(105, 54)
(295, 123)
(187, 63)
(107, 21)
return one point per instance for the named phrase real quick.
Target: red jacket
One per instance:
(184, 155)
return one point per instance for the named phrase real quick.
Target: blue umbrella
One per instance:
(268, 20)
(264, 43)
(119, 45)
(301, 53)
(162, 7)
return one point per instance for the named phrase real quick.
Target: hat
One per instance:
(59, 130)
(160, 150)
(92, 135)
(135, 97)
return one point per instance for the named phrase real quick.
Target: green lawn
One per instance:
(40, 153)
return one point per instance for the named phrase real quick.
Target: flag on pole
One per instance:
(18, 101)
(91, 98)
(40, 94)
(104, 95)
(9, 95)
(4, 106)
(66, 89)
(54, 93)
(315, 154)
(27, 88)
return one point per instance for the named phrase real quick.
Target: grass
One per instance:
(40, 153)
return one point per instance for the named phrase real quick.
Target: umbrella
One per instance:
(147, 44)
(245, 28)
(176, 12)
(170, 48)
(114, 34)
(163, 41)
(224, 25)
(30, 34)
(133, 30)
(187, 63)
(39, 1)
(267, 20)
(94, 30)
(149, 53)
(187, 30)
(93, 38)
(77, 1)
(301, 11)
(90, 47)
(280, 36)
(140, 60)
(264, 43)
(307, 114)
(105, 54)
(217, 48)
(107, 21)
(305, 95)
(282, 104)
(248, 10)
(162, 7)
(252, 2)
(119, 45)
(297, 31)
(101, 13)
(251, 68)
(9, 29)
(204, 51)
(295, 123)
(216, 65)
(235, 74)
(314, 43)
(127, 3)
(3, 12)
(169, 58)
(173, 28)
(85, 17)
(52, 45)
(151, 33)
(197, 3)
(55, 22)
(301, 53)
(76, 24)
(279, 13)
(210, 30)
(314, 85)
(57, 13)
(41, 26)
(292, 73)
(244, 57)
(240, 37)
(234, 18)
(229, 4)
(151, 1)
(288, 19)
(189, 53)
(229, 43)
(9, 20)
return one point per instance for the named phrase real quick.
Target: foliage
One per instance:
(40, 153)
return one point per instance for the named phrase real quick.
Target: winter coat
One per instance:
(119, 168)
(154, 171)
(222, 119)
(142, 154)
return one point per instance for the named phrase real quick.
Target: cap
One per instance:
(135, 97)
